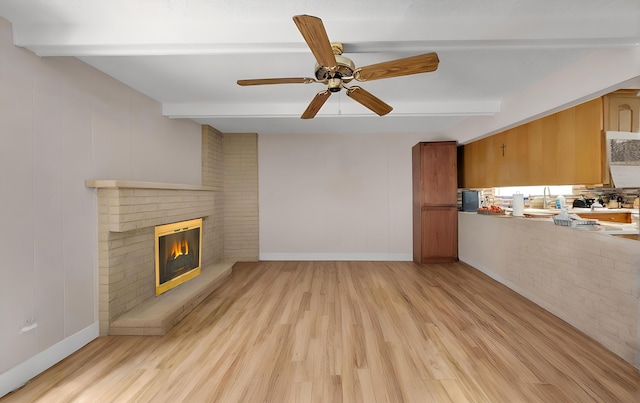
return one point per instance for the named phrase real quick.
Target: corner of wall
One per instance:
(241, 196)
(230, 167)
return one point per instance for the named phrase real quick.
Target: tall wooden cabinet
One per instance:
(435, 212)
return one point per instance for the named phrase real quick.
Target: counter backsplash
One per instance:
(628, 195)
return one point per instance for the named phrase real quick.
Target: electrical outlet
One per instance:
(28, 324)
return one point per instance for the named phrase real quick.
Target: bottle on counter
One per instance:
(561, 202)
(518, 205)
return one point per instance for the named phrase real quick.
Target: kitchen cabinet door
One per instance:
(470, 165)
(474, 164)
(440, 239)
(496, 167)
(590, 153)
(580, 144)
(544, 158)
(518, 158)
(622, 112)
(492, 160)
(438, 176)
(566, 147)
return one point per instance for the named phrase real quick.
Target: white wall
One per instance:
(343, 197)
(62, 122)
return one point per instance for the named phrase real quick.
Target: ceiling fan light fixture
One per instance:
(336, 70)
(345, 68)
(334, 84)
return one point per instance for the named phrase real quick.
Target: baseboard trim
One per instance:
(27, 370)
(486, 271)
(388, 257)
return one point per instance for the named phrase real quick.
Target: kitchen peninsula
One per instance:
(590, 280)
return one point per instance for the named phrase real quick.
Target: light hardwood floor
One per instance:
(351, 332)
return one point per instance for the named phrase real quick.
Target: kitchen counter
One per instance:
(579, 211)
(589, 280)
(635, 237)
(610, 221)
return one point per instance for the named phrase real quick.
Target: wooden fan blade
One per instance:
(396, 68)
(368, 100)
(316, 104)
(262, 81)
(313, 32)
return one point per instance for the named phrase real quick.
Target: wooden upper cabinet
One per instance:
(495, 159)
(496, 170)
(533, 155)
(545, 158)
(560, 149)
(518, 157)
(566, 143)
(590, 157)
(580, 144)
(438, 168)
(622, 111)
(469, 161)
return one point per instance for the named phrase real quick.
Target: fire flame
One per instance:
(179, 248)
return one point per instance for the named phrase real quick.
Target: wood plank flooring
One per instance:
(348, 332)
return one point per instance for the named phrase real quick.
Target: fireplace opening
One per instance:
(177, 253)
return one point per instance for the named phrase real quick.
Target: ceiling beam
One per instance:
(133, 36)
(344, 107)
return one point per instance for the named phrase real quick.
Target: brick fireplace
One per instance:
(128, 212)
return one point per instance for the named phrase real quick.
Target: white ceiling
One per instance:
(502, 62)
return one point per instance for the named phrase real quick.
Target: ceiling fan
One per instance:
(335, 70)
